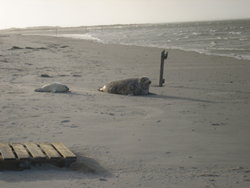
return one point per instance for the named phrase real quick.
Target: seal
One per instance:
(53, 88)
(131, 86)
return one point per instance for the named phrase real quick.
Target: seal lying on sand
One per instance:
(53, 88)
(131, 86)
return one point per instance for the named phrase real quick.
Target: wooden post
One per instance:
(164, 55)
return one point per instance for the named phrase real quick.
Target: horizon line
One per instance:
(118, 24)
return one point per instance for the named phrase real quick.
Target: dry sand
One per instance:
(194, 132)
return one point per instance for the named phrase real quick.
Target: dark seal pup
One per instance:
(131, 86)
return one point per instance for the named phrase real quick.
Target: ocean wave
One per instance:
(74, 36)
(212, 44)
(235, 33)
(206, 52)
(228, 49)
(81, 36)
(196, 33)
(243, 39)
(212, 30)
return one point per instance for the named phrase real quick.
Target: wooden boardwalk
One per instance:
(23, 155)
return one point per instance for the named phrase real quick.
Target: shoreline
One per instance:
(194, 132)
(225, 38)
(89, 37)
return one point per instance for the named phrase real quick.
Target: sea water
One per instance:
(224, 38)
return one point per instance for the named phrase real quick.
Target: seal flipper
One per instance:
(38, 90)
(54, 91)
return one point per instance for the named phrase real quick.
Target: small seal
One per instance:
(53, 88)
(131, 86)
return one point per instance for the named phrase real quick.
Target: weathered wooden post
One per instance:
(164, 55)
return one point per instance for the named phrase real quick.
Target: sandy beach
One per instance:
(193, 132)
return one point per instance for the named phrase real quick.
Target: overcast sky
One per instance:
(25, 13)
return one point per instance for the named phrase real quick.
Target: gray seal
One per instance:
(131, 86)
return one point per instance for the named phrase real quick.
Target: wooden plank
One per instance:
(35, 151)
(50, 151)
(20, 151)
(6, 152)
(64, 151)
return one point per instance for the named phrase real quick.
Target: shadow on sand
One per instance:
(156, 96)
(150, 95)
(84, 167)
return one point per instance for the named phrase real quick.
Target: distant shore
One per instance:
(193, 132)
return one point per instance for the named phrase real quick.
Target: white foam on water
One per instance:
(80, 36)
(74, 36)
(235, 33)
